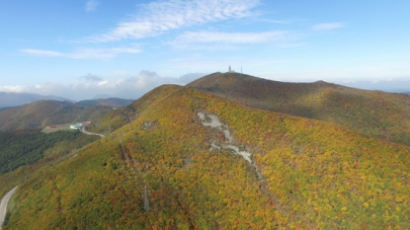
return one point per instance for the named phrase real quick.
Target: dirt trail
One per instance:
(212, 121)
(3, 205)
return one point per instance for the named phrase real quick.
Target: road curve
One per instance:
(3, 205)
(90, 133)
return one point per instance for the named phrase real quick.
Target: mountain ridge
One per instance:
(8, 99)
(374, 113)
(112, 102)
(40, 114)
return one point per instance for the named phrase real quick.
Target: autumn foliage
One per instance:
(316, 175)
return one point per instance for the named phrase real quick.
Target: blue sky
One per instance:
(87, 48)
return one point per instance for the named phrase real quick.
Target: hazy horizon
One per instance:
(90, 88)
(114, 49)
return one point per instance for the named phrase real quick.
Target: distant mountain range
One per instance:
(393, 86)
(40, 114)
(8, 100)
(17, 99)
(109, 102)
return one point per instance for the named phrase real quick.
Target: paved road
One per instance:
(3, 205)
(7, 197)
(90, 133)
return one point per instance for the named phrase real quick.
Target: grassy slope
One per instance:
(377, 114)
(316, 175)
(125, 115)
(40, 114)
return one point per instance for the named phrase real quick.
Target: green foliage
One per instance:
(25, 147)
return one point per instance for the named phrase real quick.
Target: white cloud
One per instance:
(328, 26)
(42, 53)
(164, 15)
(112, 85)
(85, 53)
(133, 86)
(229, 38)
(12, 88)
(91, 5)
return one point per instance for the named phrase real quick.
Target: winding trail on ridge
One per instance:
(212, 121)
(3, 205)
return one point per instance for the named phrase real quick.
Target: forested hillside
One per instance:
(38, 115)
(194, 161)
(116, 119)
(25, 147)
(373, 113)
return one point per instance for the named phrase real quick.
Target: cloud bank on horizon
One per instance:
(93, 86)
(279, 40)
(129, 86)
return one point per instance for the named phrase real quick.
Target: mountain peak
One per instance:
(321, 82)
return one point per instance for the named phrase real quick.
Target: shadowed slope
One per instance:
(374, 113)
